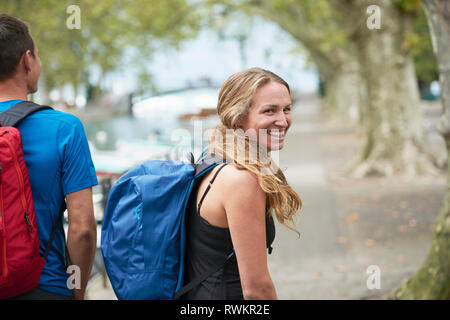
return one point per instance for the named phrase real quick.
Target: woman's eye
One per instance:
(287, 110)
(269, 111)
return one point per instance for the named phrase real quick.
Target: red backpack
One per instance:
(20, 262)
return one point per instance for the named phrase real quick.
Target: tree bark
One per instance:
(391, 116)
(342, 91)
(432, 280)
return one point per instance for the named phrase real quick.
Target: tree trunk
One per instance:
(342, 92)
(391, 115)
(432, 280)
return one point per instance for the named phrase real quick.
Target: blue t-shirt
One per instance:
(59, 162)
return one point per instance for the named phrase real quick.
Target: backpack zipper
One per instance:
(4, 266)
(22, 184)
(27, 221)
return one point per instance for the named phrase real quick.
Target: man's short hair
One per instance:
(15, 40)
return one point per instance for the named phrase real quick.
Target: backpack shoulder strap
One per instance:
(206, 163)
(14, 115)
(58, 225)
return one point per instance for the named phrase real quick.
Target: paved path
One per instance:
(347, 225)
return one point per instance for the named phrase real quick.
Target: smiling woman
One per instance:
(270, 114)
(255, 110)
(237, 215)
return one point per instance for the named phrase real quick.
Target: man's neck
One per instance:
(11, 90)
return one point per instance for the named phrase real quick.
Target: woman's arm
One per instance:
(244, 202)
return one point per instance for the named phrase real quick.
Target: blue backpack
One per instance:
(143, 231)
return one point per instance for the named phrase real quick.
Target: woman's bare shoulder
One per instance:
(233, 178)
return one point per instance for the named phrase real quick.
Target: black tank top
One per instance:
(206, 245)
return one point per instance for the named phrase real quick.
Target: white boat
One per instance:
(173, 105)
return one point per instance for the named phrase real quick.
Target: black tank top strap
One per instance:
(209, 187)
(206, 245)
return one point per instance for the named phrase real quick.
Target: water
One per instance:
(105, 134)
(156, 119)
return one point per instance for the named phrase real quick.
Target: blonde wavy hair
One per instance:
(229, 141)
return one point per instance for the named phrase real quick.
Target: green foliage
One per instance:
(325, 26)
(409, 6)
(419, 43)
(108, 29)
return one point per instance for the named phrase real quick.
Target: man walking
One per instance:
(59, 166)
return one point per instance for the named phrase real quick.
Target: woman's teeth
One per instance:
(277, 134)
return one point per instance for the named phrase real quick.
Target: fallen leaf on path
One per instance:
(402, 228)
(412, 223)
(369, 242)
(354, 217)
(341, 239)
(340, 268)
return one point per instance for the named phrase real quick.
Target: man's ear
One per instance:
(26, 60)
